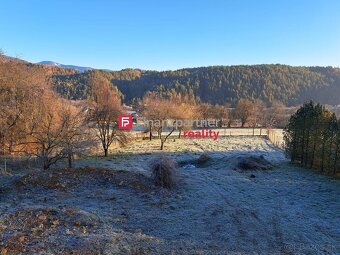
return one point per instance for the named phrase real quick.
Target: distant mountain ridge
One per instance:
(77, 68)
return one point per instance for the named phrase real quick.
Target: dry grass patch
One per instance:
(25, 228)
(66, 180)
(253, 163)
(164, 172)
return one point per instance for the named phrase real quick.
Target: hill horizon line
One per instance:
(83, 68)
(176, 69)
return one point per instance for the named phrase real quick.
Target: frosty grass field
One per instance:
(112, 207)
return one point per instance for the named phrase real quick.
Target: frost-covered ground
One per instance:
(113, 208)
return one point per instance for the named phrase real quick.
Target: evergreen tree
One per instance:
(312, 138)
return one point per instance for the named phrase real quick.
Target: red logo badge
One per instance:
(125, 122)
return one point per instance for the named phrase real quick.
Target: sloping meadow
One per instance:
(236, 194)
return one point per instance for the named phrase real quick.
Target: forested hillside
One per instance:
(79, 85)
(218, 84)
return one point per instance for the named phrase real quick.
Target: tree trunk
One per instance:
(163, 140)
(307, 149)
(150, 132)
(5, 159)
(159, 131)
(11, 145)
(2, 137)
(105, 152)
(314, 140)
(69, 159)
(294, 146)
(330, 153)
(302, 160)
(336, 158)
(313, 155)
(323, 154)
(46, 165)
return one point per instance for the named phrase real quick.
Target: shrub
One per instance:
(254, 163)
(204, 158)
(164, 172)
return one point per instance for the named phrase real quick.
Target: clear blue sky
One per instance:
(172, 34)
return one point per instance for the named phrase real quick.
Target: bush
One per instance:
(204, 158)
(164, 172)
(254, 163)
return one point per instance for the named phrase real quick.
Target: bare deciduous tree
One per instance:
(78, 138)
(44, 138)
(20, 87)
(185, 108)
(105, 114)
(258, 116)
(159, 110)
(275, 115)
(244, 110)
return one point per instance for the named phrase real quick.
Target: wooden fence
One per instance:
(273, 135)
(276, 137)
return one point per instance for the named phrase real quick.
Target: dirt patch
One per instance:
(252, 163)
(61, 225)
(47, 180)
(22, 230)
(69, 179)
(140, 186)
